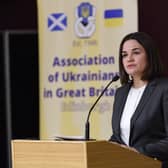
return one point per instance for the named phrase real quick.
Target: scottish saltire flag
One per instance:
(57, 22)
(113, 17)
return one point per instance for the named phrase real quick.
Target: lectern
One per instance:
(76, 154)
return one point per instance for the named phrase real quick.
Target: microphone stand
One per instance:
(87, 124)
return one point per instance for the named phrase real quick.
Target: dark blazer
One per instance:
(149, 123)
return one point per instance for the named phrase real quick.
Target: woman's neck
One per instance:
(137, 83)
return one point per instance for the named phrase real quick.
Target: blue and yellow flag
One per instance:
(113, 17)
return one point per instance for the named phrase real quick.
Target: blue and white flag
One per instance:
(57, 22)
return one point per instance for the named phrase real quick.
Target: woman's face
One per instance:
(134, 58)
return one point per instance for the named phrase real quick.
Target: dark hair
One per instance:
(154, 67)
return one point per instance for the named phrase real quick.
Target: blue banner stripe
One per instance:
(113, 13)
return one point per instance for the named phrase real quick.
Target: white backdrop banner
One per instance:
(78, 47)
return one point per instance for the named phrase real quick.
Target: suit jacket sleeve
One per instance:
(159, 149)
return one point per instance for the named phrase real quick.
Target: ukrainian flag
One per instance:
(113, 17)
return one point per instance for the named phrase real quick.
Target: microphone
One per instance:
(87, 124)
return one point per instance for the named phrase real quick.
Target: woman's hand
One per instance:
(129, 148)
(124, 146)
